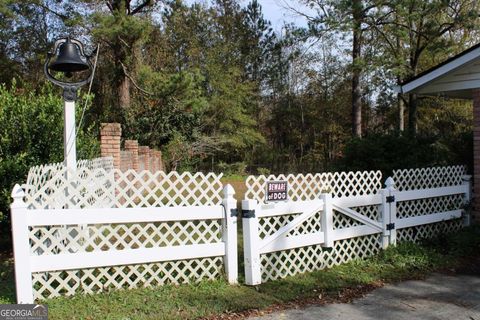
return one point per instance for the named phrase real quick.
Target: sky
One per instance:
(277, 12)
(274, 10)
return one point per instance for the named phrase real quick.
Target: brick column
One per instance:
(152, 160)
(110, 136)
(155, 160)
(476, 156)
(145, 152)
(132, 146)
(160, 161)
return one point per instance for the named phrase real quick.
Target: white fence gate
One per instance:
(98, 229)
(332, 218)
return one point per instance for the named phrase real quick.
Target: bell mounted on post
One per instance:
(69, 59)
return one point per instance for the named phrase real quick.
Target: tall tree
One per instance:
(123, 29)
(346, 17)
(416, 35)
(357, 19)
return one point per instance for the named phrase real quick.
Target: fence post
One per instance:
(389, 213)
(21, 247)
(230, 233)
(251, 242)
(467, 182)
(385, 216)
(327, 220)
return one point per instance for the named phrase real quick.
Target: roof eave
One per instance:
(439, 71)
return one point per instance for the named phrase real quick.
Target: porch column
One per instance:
(476, 156)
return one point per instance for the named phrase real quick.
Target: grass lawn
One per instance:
(214, 298)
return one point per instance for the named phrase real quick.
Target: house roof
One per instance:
(455, 77)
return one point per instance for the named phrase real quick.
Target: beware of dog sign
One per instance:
(277, 191)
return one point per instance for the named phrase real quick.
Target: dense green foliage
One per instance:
(31, 134)
(214, 85)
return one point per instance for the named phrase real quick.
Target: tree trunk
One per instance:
(124, 93)
(401, 113)
(356, 71)
(412, 115)
(400, 104)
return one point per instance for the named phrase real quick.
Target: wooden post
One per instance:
(251, 242)
(21, 247)
(230, 234)
(467, 182)
(327, 220)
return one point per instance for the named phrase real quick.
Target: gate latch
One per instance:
(390, 199)
(390, 226)
(234, 212)
(248, 213)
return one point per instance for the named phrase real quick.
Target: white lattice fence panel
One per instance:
(424, 178)
(311, 186)
(39, 175)
(84, 188)
(280, 264)
(350, 184)
(105, 237)
(269, 225)
(87, 238)
(97, 188)
(158, 189)
(341, 221)
(426, 231)
(105, 163)
(96, 280)
(426, 206)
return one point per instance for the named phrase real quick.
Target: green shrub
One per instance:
(392, 151)
(31, 133)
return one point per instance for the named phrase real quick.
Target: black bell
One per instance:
(68, 59)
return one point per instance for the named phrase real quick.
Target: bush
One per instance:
(391, 151)
(31, 134)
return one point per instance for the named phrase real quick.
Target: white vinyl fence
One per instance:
(331, 218)
(98, 228)
(93, 229)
